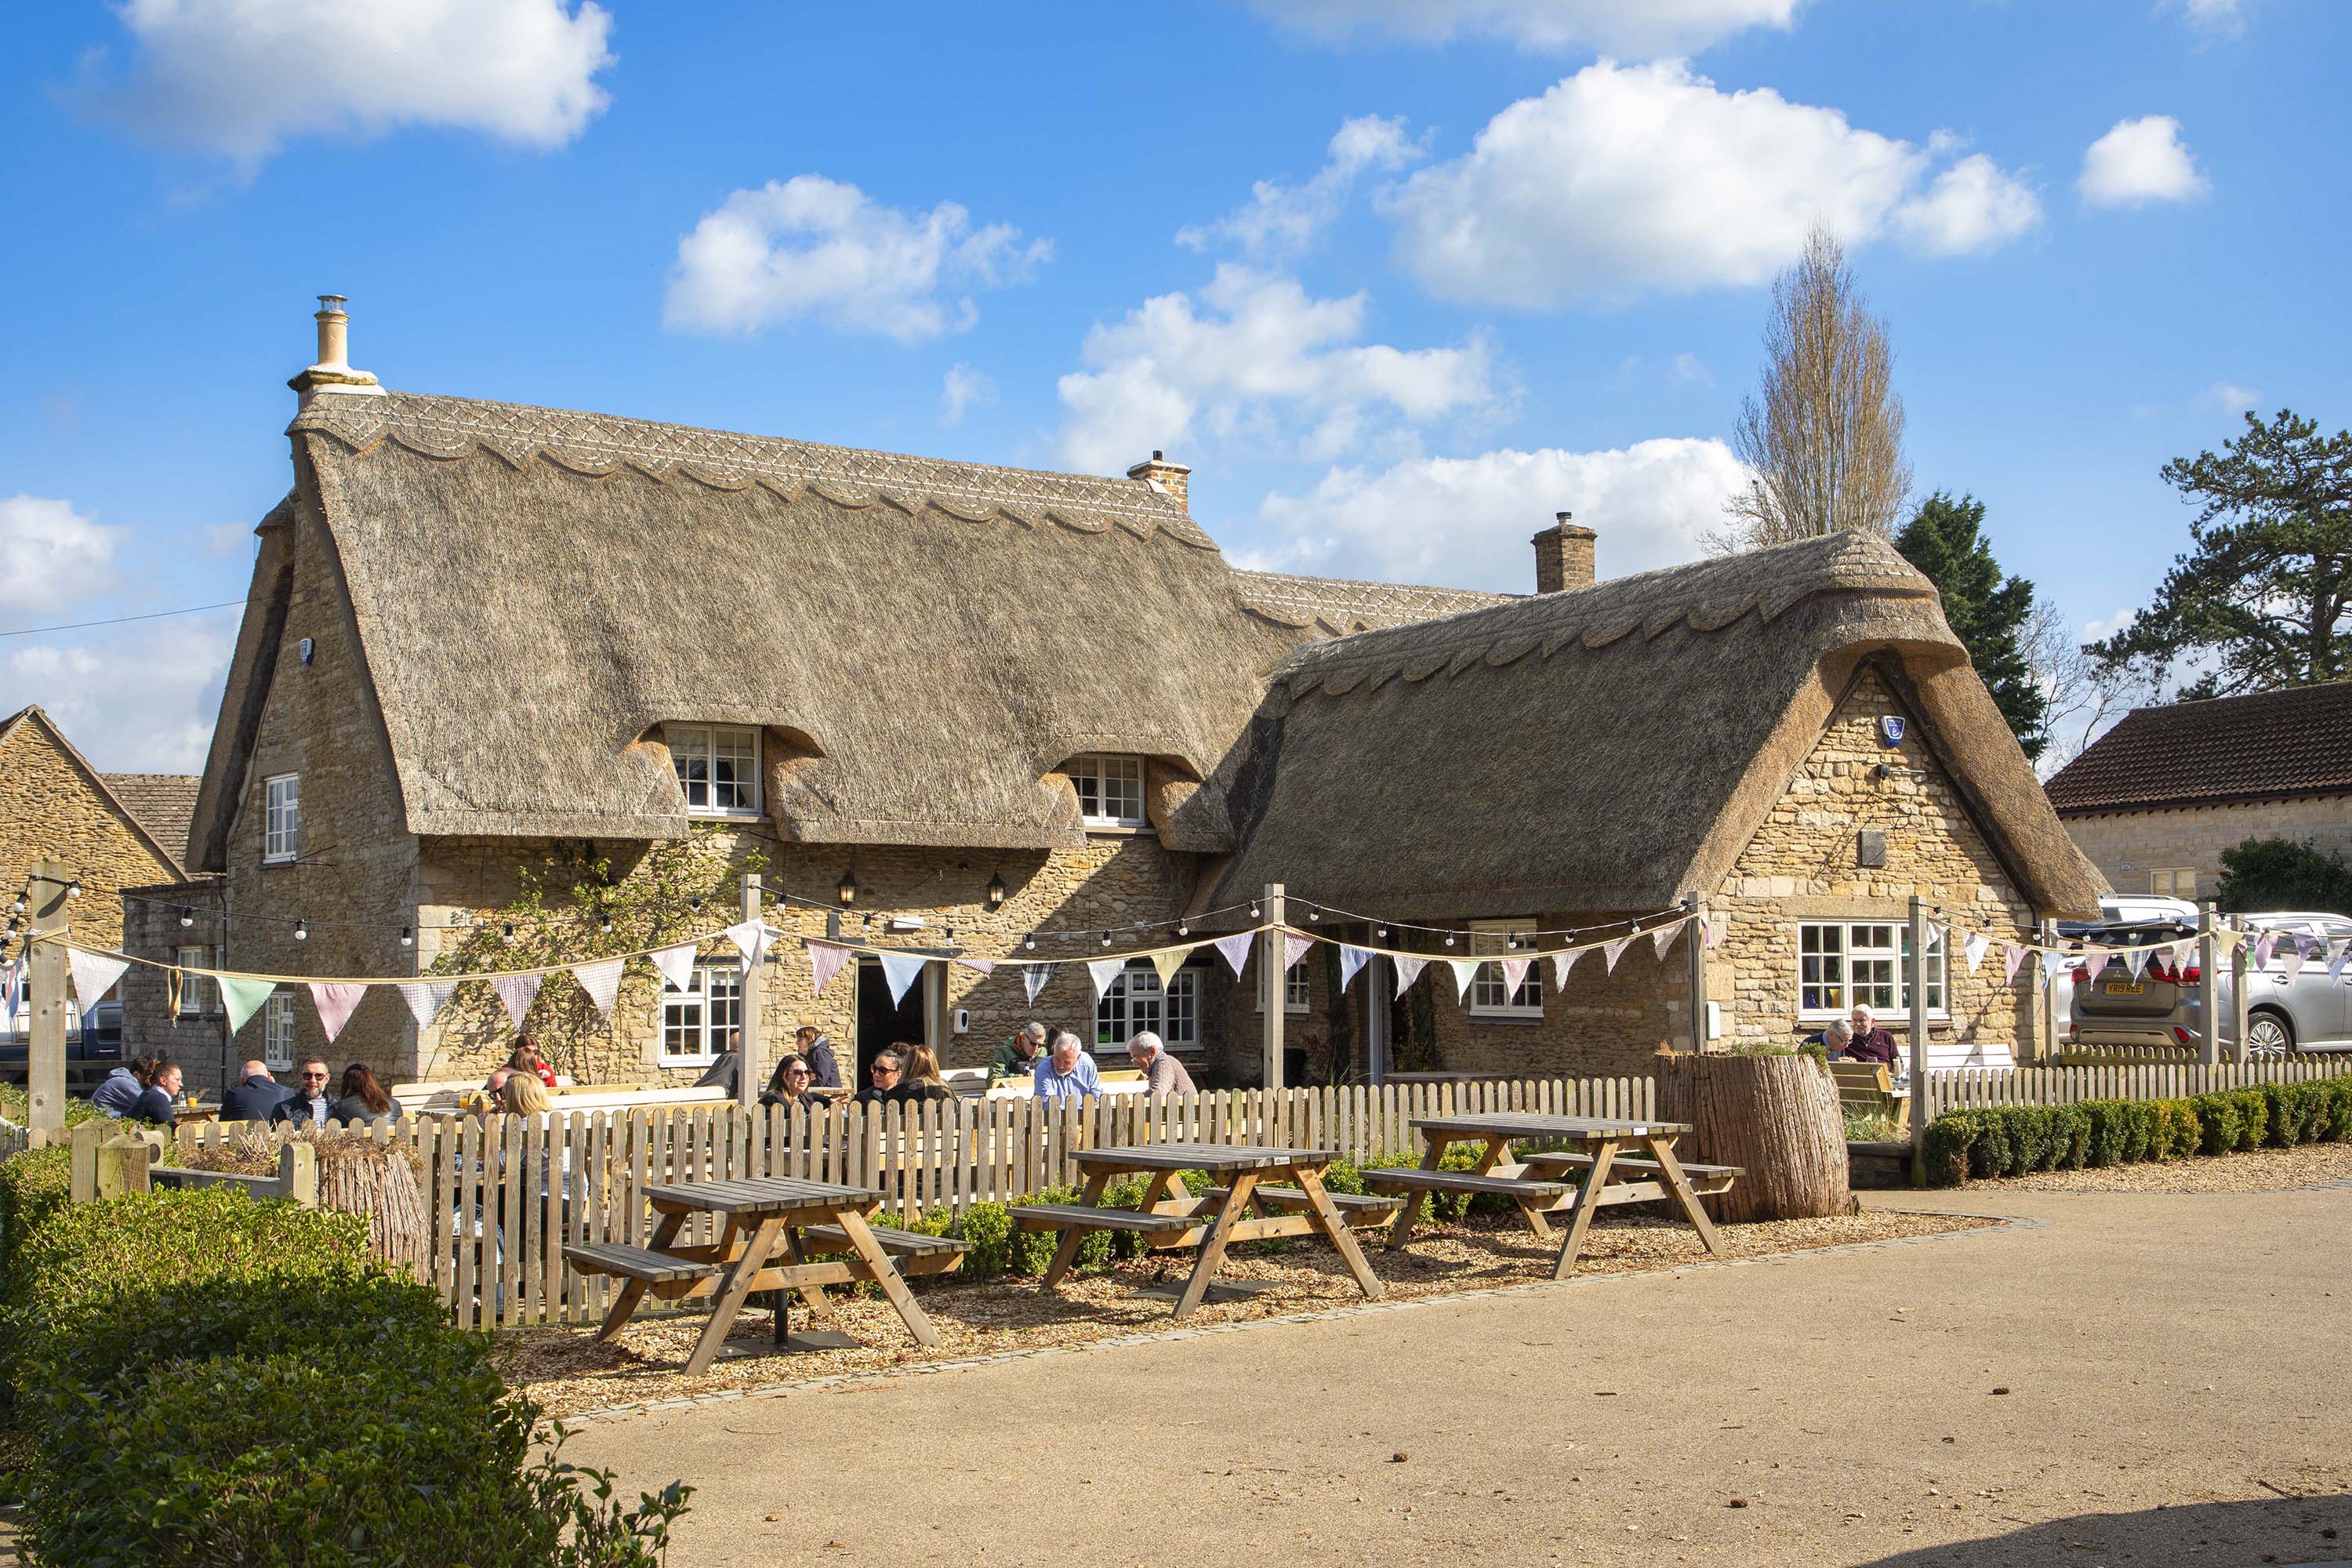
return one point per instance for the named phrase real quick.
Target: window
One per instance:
(1842, 966)
(1487, 998)
(697, 1021)
(277, 1032)
(199, 994)
(718, 768)
(1111, 790)
(281, 818)
(1293, 989)
(1135, 1001)
(2178, 883)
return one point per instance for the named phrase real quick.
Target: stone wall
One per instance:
(195, 1034)
(2129, 847)
(51, 809)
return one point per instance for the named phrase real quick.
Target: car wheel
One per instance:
(2269, 1034)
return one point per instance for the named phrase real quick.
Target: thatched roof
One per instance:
(2272, 745)
(1611, 747)
(1335, 606)
(537, 592)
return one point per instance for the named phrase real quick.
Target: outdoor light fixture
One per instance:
(301, 930)
(1030, 941)
(187, 916)
(18, 907)
(607, 925)
(695, 903)
(73, 889)
(1449, 939)
(1182, 929)
(1313, 916)
(848, 889)
(408, 936)
(1383, 933)
(1253, 911)
(506, 933)
(996, 892)
(1106, 939)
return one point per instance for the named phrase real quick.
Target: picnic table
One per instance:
(778, 1233)
(1573, 1182)
(1168, 1216)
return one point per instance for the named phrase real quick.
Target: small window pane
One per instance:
(1111, 789)
(281, 817)
(277, 1032)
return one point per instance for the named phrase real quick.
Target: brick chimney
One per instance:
(1563, 557)
(1172, 477)
(333, 373)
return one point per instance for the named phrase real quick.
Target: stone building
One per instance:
(2156, 800)
(517, 685)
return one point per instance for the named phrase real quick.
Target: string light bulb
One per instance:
(73, 889)
(1449, 939)
(408, 936)
(187, 917)
(18, 907)
(301, 930)
(1182, 929)
(1313, 916)
(507, 932)
(1030, 941)
(1383, 933)
(607, 925)
(1106, 939)
(1253, 914)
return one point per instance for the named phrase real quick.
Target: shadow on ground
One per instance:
(2276, 1530)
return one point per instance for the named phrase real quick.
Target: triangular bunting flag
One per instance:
(1168, 963)
(1104, 970)
(827, 958)
(1294, 947)
(2094, 961)
(2292, 959)
(981, 965)
(1408, 970)
(1464, 970)
(2011, 955)
(518, 992)
(1613, 951)
(1561, 963)
(2137, 959)
(425, 998)
(241, 998)
(93, 974)
(1663, 938)
(1975, 948)
(2264, 945)
(601, 980)
(1351, 959)
(335, 1000)
(753, 937)
(901, 969)
(1713, 930)
(1033, 977)
(1515, 975)
(2335, 965)
(1236, 949)
(2311, 945)
(1936, 935)
(676, 966)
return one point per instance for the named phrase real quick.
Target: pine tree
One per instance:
(1945, 539)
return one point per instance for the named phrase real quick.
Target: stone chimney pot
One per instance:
(333, 373)
(1169, 478)
(1564, 557)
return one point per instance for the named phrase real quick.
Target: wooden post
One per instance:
(82, 1178)
(1273, 981)
(121, 1166)
(2048, 1011)
(1695, 943)
(2209, 986)
(749, 1057)
(45, 1065)
(2239, 981)
(1378, 988)
(298, 1174)
(1917, 980)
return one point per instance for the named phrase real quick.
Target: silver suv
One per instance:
(2307, 1011)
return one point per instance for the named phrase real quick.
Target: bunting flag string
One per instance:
(825, 957)
(1236, 950)
(1975, 947)
(1408, 970)
(1663, 938)
(425, 998)
(1033, 977)
(1515, 975)
(2292, 959)
(1168, 962)
(93, 974)
(677, 965)
(1464, 970)
(753, 937)
(1104, 970)
(517, 992)
(2011, 955)
(601, 980)
(336, 1001)
(1561, 963)
(901, 969)
(241, 998)
(1613, 951)
(984, 966)
(1294, 947)
(1351, 959)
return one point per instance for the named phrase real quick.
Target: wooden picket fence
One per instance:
(1967, 1087)
(14, 1140)
(509, 1193)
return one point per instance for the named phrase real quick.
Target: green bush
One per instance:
(32, 1186)
(987, 1231)
(2253, 1117)
(2007, 1141)
(2175, 1130)
(1946, 1144)
(2217, 1122)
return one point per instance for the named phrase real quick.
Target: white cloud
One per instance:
(141, 701)
(1622, 181)
(1281, 219)
(815, 246)
(1256, 358)
(229, 539)
(2216, 18)
(1642, 28)
(2138, 162)
(1465, 522)
(2229, 398)
(1688, 367)
(964, 388)
(241, 77)
(56, 557)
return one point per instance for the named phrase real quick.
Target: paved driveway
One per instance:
(2149, 1379)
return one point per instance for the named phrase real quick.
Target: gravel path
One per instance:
(2255, 1171)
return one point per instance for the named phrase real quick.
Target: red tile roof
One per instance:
(2296, 742)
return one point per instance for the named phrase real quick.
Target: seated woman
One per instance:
(789, 1085)
(362, 1098)
(923, 1080)
(526, 1058)
(526, 1095)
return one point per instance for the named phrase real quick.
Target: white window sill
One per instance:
(278, 859)
(1110, 828)
(1899, 1021)
(689, 1061)
(702, 814)
(1508, 1015)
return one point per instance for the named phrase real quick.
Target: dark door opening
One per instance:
(882, 1022)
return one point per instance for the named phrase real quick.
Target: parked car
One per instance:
(93, 1045)
(2307, 1011)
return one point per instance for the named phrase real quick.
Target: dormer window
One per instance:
(1111, 789)
(718, 768)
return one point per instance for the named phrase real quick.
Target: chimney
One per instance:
(1161, 475)
(1563, 557)
(333, 373)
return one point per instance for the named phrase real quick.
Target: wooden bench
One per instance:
(1404, 1180)
(820, 1239)
(1361, 1211)
(639, 1263)
(1705, 1180)
(1868, 1086)
(1080, 1216)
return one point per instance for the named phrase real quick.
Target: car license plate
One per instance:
(2125, 987)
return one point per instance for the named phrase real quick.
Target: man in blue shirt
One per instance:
(1069, 1072)
(256, 1095)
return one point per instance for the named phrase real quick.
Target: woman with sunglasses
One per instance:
(789, 1085)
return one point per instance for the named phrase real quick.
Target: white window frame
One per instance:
(1826, 983)
(693, 744)
(699, 1018)
(1135, 1001)
(278, 1043)
(1295, 989)
(1492, 938)
(281, 818)
(199, 994)
(1096, 776)
(2167, 881)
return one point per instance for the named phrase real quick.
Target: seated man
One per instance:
(157, 1102)
(310, 1104)
(1017, 1057)
(1870, 1043)
(256, 1095)
(1162, 1074)
(1834, 1037)
(122, 1088)
(1069, 1073)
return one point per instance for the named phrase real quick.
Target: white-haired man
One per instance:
(1069, 1073)
(1162, 1074)
(1871, 1043)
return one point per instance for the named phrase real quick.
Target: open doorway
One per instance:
(882, 1022)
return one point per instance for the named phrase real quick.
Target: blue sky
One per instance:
(1398, 277)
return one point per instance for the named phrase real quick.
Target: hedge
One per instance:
(198, 1377)
(2011, 1140)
